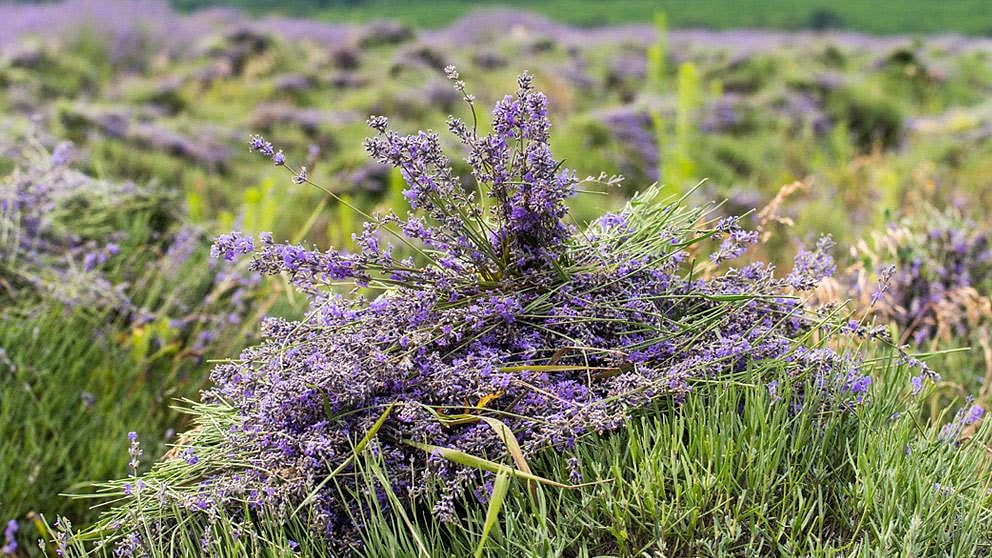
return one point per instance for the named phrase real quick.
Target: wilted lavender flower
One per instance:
(62, 534)
(943, 490)
(883, 284)
(772, 387)
(574, 470)
(301, 176)
(134, 450)
(452, 74)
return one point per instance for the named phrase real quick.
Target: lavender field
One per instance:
(273, 285)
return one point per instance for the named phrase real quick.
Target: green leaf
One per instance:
(469, 460)
(500, 487)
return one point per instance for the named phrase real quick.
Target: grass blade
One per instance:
(500, 488)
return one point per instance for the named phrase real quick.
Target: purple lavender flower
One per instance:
(975, 414)
(736, 242)
(189, 456)
(928, 273)
(965, 416)
(259, 144)
(230, 246)
(9, 537)
(63, 154)
(809, 268)
(611, 220)
(917, 384)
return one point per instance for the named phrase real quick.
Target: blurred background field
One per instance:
(869, 122)
(900, 16)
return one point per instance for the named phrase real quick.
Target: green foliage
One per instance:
(681, 171)
(734, 473)
(873, 120)
(657, 54)
(728, 474)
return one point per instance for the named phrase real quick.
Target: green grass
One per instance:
(730, 472)
(892, 16)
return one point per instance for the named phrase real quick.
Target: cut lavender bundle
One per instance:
(496, 324)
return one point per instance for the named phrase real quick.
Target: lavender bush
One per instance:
(41, 252)
(68, 237)
(938, 270)
(108, 307)
(508, 330)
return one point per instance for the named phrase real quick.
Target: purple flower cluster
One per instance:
(502, 313)
(812, 266)
(735, 242)
(44, 248)
(230, 246)
(931, 275)
(965, 417)
(9, 541)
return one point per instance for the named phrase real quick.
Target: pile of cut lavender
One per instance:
(492, 307)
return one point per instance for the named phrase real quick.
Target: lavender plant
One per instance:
(108, 307)
(73, 239)
(507, 331)
(41, 252)
(937, 271)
